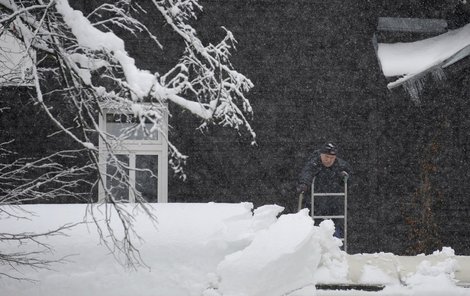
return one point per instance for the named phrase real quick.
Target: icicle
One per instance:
(414, 87)
(438, 74)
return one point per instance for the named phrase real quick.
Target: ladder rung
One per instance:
(329, 217)
(344, 195)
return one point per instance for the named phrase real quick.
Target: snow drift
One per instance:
(206, 250)
(225, 249)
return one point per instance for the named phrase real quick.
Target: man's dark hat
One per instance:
(329, 148)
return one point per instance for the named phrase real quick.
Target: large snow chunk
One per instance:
(281, 259)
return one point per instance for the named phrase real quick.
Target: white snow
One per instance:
(15, 63)
(207, 250)
(140, 81)
(281, 259)
(411, 58)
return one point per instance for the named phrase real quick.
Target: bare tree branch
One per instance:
(78, 65)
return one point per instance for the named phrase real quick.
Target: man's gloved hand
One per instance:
(344, 175)
(302, 188)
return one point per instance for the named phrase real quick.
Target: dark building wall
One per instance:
(28, 135)
(317, 78)
(312, 64)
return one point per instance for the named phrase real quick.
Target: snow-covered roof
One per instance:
(412, 60)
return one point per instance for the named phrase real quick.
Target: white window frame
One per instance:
(158, 147)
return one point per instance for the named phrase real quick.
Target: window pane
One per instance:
(146, 176)
(128, 127)
(116, 179)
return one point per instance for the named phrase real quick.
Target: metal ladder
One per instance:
(344, 216)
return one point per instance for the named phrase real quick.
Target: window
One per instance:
(140, 158)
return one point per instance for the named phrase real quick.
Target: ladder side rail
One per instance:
(313, 197)
(345, 224)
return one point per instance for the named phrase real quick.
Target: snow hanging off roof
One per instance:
(413, 58)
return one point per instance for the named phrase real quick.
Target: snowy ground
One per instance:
(210, 250)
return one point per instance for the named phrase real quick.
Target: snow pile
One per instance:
(438, 278)
(210, 250)
(333, 267)
(194, 249)
(281, 258)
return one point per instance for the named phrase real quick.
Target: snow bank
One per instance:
(209, 250)
(435, 275)
(187, 243)
(227, 249)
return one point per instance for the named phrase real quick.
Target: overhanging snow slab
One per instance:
(412, 60)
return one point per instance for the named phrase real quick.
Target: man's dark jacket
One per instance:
(327, 179)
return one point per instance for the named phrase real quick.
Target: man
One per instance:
(330, 173)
